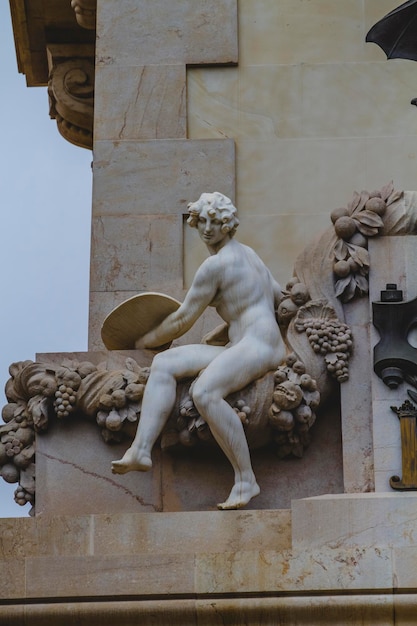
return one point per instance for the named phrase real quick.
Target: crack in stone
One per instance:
(127, 491)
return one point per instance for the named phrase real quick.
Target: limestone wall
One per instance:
(315, 113)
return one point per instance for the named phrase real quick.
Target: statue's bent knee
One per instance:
(202, 395)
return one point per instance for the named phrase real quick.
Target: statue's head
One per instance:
(217, 206)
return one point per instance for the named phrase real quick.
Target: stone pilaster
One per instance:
(145, 169)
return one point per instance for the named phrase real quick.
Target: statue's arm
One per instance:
(202, 291)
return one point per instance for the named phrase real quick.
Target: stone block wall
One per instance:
(315, 113)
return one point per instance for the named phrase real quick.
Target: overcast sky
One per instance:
(45, 208)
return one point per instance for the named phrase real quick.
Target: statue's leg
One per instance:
(158, 401)
(232, 370)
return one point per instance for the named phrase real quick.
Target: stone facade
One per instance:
(283, 107)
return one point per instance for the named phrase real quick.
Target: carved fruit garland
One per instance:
(190, 427)
(36, 392)
(292, 413)
(353, 225)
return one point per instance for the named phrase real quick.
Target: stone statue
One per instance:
(236, 282)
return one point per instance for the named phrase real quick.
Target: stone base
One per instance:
(234, 567)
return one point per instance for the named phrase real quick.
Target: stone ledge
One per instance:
(146, 575)
(341, 610)
(370, 519)
(142, 533)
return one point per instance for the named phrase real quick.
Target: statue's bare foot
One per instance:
(132, 461)
(240, 495)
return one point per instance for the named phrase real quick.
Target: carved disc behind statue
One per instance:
(133, 318)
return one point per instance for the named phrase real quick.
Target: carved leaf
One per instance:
(123, 412)
(129, 376)
(387, 190)
(38, 408)
(132, 365)
(363, 199)
(341, 285)
(131, 414)
(340, 250)
(359, 255)
(362, 284)
(368, 231)
(369, 218)
(350, 290)
(397, 195)
(27, 478)
(354, 203)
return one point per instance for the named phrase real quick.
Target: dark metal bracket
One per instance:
(395, 359)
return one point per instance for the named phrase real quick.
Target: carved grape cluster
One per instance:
(22, 496)
(327, 335)
(333, 339)
(68, 379)
(64, 402)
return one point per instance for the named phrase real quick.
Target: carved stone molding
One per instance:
(85, 12)
(71, 98)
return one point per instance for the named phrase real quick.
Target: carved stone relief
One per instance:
(71, 98)
(277, 410)
(85, 12)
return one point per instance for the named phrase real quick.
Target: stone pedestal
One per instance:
(73, 466)
(345, 560)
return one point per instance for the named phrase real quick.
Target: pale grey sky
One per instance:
(45, 200)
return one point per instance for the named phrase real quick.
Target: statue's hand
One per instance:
(142, 344)
(219, 336)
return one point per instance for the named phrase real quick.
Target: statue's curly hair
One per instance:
(220, 206)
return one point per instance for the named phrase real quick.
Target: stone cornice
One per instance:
(39, 23)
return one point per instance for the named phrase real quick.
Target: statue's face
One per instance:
(210, 227)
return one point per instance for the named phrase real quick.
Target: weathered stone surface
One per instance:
(201, 31)
(356, 406)
(136, 252)
(159, 177)
(151, 102)
(372, 519)
(195, 532)
(93, 576)
(354, 569)
(60, 454)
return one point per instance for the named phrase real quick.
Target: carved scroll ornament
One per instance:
(71, 98)
(85, 13)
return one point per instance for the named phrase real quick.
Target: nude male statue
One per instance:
(236, 282)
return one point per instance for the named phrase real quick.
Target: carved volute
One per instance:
(55, 47)
(71, 96)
